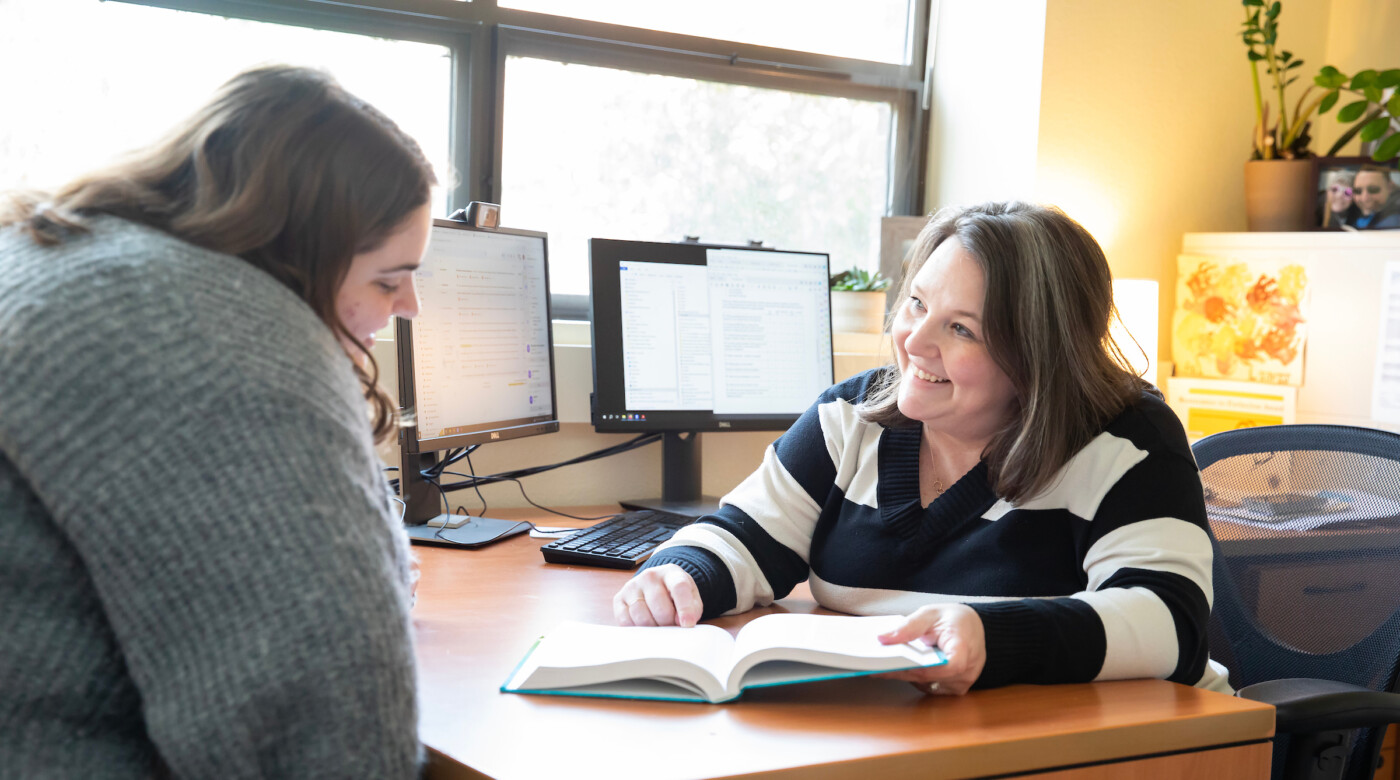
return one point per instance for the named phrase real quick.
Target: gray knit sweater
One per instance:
(201, 574)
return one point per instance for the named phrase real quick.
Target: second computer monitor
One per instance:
(477, 363)
(695, 337)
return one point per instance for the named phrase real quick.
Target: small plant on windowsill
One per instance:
(859, 280)
(858, 301)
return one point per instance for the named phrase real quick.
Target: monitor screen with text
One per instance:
(696, 337)
(477, 362)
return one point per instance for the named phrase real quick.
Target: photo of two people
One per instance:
(1357, 194)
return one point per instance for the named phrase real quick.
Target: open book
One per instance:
(705, 663)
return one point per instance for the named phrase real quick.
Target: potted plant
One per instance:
(1279, 173)
(1279, 178)
(858, 301)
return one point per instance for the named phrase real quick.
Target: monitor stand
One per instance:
(680, 479)
(425, 525)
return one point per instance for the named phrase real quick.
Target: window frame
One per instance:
(481, 36)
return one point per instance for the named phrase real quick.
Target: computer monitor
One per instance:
(476, 365)
(691, 337)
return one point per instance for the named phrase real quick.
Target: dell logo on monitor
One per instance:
(725, 425)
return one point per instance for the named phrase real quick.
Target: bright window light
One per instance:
(92, 80)
(595, 152)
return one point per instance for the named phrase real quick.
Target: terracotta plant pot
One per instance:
(857, 312)
(1279, 195)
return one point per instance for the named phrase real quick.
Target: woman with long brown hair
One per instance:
(203, 573)
(1031, 504)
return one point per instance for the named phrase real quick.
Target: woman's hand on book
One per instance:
(663, 596)
(956, 630)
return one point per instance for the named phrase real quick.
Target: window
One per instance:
(127, 73)
(606, 153)
(876, 30)
(587, 118)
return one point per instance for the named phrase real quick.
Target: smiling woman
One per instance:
(171, 608)
(380, 282)
(1035, 297)
(950, 381)
(1028, 502)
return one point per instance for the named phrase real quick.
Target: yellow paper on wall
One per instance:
(1208, 406)
(1240, 319)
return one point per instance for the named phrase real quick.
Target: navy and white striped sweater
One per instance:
(1106, 575)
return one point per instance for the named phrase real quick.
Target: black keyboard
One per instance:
(620, 542)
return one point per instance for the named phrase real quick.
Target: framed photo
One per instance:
(1357, 193)
(897, 236)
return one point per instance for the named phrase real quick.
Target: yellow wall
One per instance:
(1146, 113)
(1361, 34)
(1145, 120)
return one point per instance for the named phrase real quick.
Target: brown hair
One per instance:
(1049, 301)
(282, 168)
(1386, 173)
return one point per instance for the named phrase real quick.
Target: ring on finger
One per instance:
(929, 688)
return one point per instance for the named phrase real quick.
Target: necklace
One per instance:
(937, 483)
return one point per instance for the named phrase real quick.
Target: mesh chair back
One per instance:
(1306, 521)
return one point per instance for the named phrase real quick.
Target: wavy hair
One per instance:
(282, 168)
(1049, 301)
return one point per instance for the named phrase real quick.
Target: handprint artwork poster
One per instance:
(1240, 319)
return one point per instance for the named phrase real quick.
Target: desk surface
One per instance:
(479, 611)
(1246, 539)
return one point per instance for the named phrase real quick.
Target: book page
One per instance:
(577, 654)
(834, 641)
(841, 634)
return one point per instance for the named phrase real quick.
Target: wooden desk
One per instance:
(1254, 541)
(480, 610)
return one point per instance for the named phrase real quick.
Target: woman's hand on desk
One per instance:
(663, 596)
(956, 629)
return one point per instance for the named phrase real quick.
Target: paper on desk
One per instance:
(1385, 391)
(550, 532)
(1343, 506)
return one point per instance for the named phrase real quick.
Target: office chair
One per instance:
(1306, 522)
